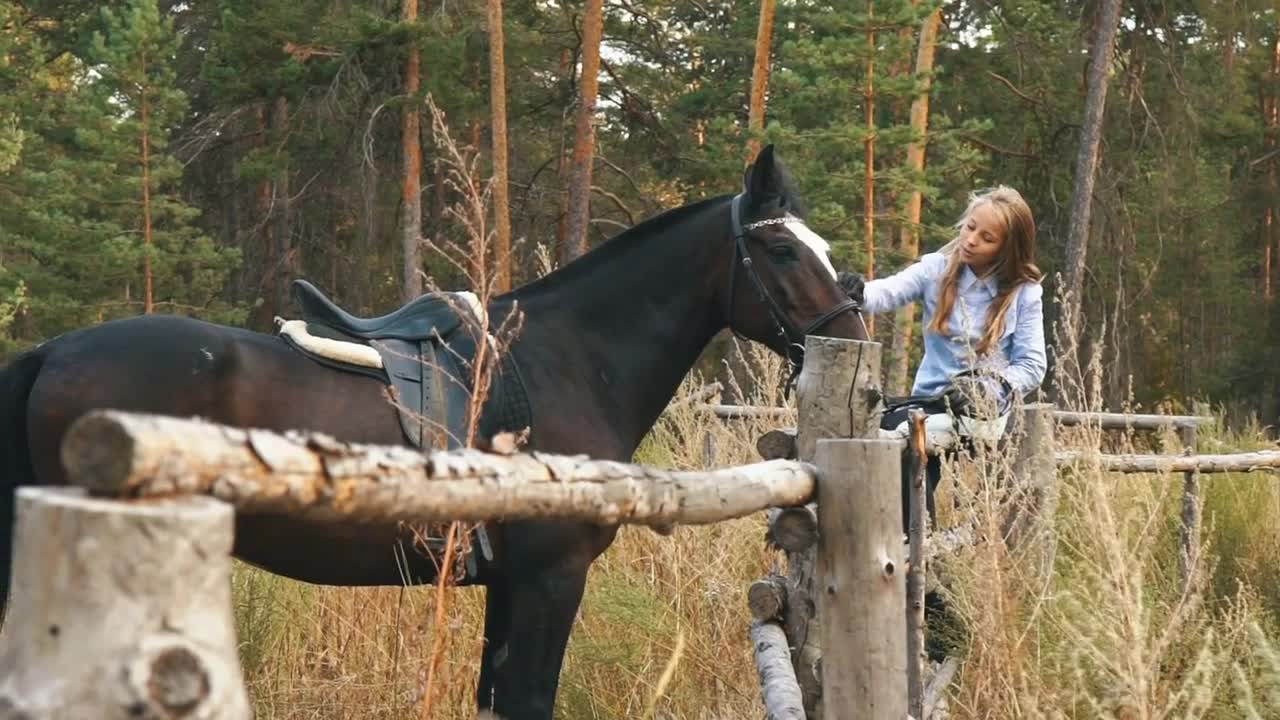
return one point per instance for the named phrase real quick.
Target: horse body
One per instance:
(234, 377)
(604, 344)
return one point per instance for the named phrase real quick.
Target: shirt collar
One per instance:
(968, 279)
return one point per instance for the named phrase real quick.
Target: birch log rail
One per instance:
(311, 475)
(1103, 420)
(1125, 421)
(778, 686)
(1158, 464)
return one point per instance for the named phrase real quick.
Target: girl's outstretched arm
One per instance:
(891, 293)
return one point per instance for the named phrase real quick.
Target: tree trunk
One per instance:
(411, 153)
(579, 215)
(440, 179)
(498, 99)
(370, 230)
(833, 368)
(910, 237)
(562, 166)
(778, 686)
(737, 364)
(260, 249)
(862, 598)
(284, 217)
(869, 145)
(1077, 247)
(148, 298)
(760, 78)
(1271, 215)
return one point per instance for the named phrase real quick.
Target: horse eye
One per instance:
(782, 252)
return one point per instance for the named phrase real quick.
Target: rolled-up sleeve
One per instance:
(891, 293)
(1027, 360)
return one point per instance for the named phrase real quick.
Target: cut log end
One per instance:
(767, 598)
(99, 447)
(779, 444)
(794, 529)
(177, 681)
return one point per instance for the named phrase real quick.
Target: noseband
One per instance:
(791, 334)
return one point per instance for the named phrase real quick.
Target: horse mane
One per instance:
(624, 241)
(618, 244)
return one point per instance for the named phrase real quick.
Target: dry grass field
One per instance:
(1110, 633)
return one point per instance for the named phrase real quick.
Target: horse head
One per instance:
(782, 285)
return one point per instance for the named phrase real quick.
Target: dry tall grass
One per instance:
(1110, 634)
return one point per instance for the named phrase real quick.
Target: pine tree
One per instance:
(91, 201)
(137, 103)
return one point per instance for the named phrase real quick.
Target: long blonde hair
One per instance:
(1015, 266)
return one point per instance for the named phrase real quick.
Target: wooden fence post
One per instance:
(1190, 510)
(837, 396)
(1035, 480)
(916, 526)
(838, 392)
(120, 610)
(863, 578)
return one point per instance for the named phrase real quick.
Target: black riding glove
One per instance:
(958, 401)
(978, 395)
(852, 284)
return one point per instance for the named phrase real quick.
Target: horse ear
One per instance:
(761, 181)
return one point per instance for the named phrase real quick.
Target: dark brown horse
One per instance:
(605, 343)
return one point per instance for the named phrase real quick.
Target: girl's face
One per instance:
(981, 239)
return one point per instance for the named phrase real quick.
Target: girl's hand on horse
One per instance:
(852, 284)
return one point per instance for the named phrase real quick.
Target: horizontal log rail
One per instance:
(780, 443)
(134, 455)
(1125, 421)
(1104, 420)
(1159, 464)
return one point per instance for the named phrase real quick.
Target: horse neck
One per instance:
(614, 333)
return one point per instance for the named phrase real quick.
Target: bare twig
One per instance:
(1014, 89)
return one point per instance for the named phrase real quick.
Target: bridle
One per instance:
(791, 334)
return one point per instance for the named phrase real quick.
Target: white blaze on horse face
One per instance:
(813, 241)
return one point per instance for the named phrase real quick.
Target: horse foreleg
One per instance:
(7, 521)
(497, 623)
(519, 677)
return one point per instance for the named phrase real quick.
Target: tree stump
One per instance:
(120, 610)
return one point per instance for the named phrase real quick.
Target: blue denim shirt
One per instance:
(1020, 355)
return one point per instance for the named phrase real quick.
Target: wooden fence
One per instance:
(1027, 519)
(121, 604)
(121, 600)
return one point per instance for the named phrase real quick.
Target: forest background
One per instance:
(196, 156)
